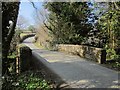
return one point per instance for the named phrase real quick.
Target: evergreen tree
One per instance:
(68, 21)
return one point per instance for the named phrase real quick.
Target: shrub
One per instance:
(25, 81)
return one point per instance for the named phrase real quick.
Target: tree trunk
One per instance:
(9, 13)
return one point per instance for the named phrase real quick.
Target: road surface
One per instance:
(76, 71)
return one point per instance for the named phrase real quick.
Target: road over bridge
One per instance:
(76, 71)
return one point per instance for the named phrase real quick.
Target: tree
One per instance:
(31, 28)
(68, 21)
(22, 23)
(110, 30)
(109, 25)
(9, 19)
(97, 10)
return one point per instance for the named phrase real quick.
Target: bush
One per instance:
(111, 54)
(25, 81)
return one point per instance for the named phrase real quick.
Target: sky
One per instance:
(27, 11)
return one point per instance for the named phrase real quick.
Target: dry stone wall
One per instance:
(91, 53)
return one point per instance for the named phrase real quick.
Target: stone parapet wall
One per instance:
(91, 53)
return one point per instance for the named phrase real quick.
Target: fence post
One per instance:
(25, 58)
(103, 57)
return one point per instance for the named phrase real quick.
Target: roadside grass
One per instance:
(21, 45)
(38, 45)
(23, 34)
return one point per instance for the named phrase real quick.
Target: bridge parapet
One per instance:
(92, 53)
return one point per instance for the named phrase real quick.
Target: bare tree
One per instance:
(22, 22)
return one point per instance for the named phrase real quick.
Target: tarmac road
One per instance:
(76, 71)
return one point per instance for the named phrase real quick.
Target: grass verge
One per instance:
(38, 45)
